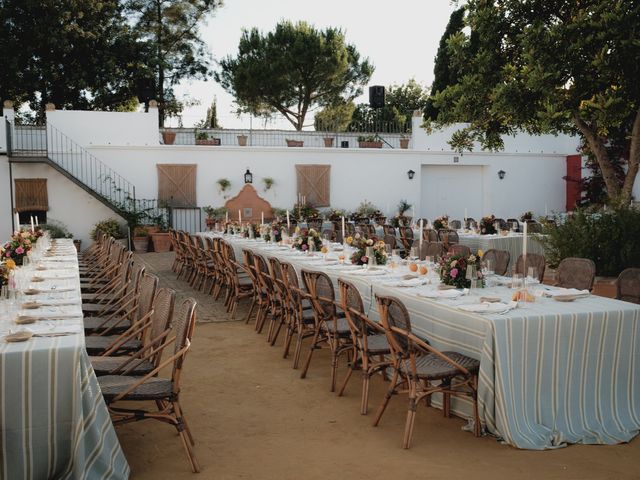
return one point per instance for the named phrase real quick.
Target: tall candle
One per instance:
(17, 222)
(226, 216)
(239, 216)
(421, 227)
(37, 225)
(262, 218)
(33, 228)
(546, 210)
(288, 222)
(524, 244)
(343, 228)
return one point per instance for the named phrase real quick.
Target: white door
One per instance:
(450, 189)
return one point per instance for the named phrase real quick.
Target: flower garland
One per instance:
(19, 245)
(306, 238)
(453, 270)
(361, 243)
(441, 222)
(487, 225)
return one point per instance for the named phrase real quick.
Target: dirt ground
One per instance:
(254, 418)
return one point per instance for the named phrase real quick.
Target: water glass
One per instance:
(415, 252)
(532, 275)
(517, 281)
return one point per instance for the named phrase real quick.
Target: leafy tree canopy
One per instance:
(549, 66)
(293, 69)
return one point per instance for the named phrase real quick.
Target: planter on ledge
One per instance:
(295, 143)
(368, 144)
(242, 140)
(168, 137)
(209, 141)
(328, 141)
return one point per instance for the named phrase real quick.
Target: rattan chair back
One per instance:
(499, 260)
(455, 224)
(628, 285)
(577, 273)
(457, 249)
(533, 260)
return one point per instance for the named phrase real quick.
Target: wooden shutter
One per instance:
(314, 183)
(31, 194)
(177, 185)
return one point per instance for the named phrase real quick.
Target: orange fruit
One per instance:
(324, 250)
(423, 270)
(413, 267)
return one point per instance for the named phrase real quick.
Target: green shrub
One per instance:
(57, 229)
(110, 226)
(609, 238)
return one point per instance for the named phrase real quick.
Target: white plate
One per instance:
(486, 307)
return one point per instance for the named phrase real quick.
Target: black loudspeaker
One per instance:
(376, 96)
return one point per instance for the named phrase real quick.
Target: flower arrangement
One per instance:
(306, 238)
(5, 269)
(18, 246)
(400, 219)
(271, 233)
(487, 225)
(361, 243)
(251, 226)
(453, 270)
(442, 222)
(335, 214)
(526, 216)
(301, 212)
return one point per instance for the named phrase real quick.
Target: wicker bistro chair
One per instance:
(421, 370)
(272, 305)
(430, 235)
(103, 272)
(239, 285)
(533, 227)
(330, 325)
(164, 392)
(126, 299)
(178, 258)
(131, 310)
(220, 268)
(457, 249)
(279, 301)
(148, 357)
(533, 260)
(470, 222)
(114, 288)
(391, 240)
(370, 345)
(406, 238)
(432, 249)
(455, 224)
(302, 323)
(514, 224)
(389, 230)
(499, 260)
(330, 234)
(315, 223)
(628, 285)
(130, 340)
(576, 273)
(448, 236)
(258, 298)
(367, 229)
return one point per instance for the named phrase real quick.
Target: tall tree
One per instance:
(293, 69)
(550, 66)
(73, 53)
(444, 75)
(176, 51)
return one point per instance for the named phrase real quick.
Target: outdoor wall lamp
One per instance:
(410, 174)
(501, 174)
(248, 176)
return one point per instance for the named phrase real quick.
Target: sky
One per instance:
(399, 37)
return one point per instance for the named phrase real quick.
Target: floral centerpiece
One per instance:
(271, 233)
(5, 269)
(252, 226)
(19, 245)
(442, 222)
(361, 243)
(453, 270)
(526, 216)
(306, 238)
(487, 225)
(335, 214)
(400, 219)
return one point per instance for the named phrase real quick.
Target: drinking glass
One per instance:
(415, 252)
(532, 275)
(371, 256)
(517, 281)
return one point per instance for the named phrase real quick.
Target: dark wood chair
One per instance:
(533, 260)
(421, 370)
(499, 260)
(577, 273)
(628, 285)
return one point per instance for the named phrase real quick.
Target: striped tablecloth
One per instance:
(53, 418)
(551, 373)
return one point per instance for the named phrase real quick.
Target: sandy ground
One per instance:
(254, 418)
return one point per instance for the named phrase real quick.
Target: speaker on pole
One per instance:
(376, 96)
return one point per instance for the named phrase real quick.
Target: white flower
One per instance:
(472, 258)
(369, 242)
(454, 263)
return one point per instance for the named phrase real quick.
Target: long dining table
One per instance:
(53, 420)
(551, 372)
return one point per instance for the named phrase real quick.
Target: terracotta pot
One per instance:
(161, 241)
(210, 141)
(141, 244)
(404, 143)
(168, 137)
(376, 144)
(328, 141)
(295, 143)
(242, 140)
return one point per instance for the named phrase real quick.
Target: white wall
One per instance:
(520, 143)
(68, 203)
(5, 200)
(107, 128)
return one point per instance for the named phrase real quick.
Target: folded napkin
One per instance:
(412, 282)
(434, 293)
(368, 272)
(486, 307)
(559, 291)
(344, 267)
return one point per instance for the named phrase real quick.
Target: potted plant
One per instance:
(268, 183)
(328, 141)
(202, 138)
(214, 215)
(59, 230)
(294, 143)
(242, 140)
(369, 141)
(168, 137)
(404, 142)
(110, 226)
(160, 238)
(223, 185)
(141, 239)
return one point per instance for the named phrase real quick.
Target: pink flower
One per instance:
(19, 250)
(364, 259)
(8, 254)
(305, 247)
(454, 272)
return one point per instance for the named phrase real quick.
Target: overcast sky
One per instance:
(399, 37)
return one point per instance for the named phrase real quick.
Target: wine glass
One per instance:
(517, 281)
(415, 252)
(532, 275)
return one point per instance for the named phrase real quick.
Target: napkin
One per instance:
(556, 291)
(432, 293)
(486, 307)
(412, 282)
(368, 273)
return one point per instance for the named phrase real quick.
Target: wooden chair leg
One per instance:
(387, 397)
(307, 362)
